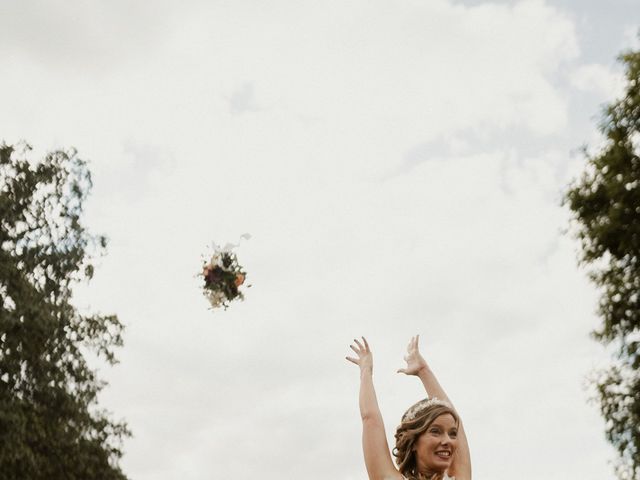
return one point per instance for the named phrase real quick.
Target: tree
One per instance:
(50, 424)
(605, 206)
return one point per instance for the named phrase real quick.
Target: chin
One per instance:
(441, 464)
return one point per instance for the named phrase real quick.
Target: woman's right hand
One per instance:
(365, 357)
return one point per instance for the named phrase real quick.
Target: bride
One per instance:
(430, 441)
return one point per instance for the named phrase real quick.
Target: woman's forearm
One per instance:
(368, 401)
(431, 384)
(374, 441)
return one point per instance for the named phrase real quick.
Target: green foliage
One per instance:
(605, 204)
(50, 426)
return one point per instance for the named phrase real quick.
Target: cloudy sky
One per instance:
(399, 165)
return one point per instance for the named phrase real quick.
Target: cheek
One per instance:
(426, 443)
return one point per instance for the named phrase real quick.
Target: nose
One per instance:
(446, 440)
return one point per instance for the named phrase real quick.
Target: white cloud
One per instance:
(599, 79)
(347, 239)
(83, 38)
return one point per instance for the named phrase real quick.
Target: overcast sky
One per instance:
(399, 165)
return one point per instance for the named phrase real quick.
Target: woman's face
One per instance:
(436, 446)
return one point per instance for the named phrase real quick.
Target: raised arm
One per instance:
(417, 365)
(374, 441)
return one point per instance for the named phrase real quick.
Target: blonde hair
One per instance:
(415, 421)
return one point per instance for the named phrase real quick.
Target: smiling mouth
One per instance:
(444, 454)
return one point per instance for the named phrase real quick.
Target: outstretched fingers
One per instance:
(357, 350)
(363, 347)
(413, 344)
(362, 350)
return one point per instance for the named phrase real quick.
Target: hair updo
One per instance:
(415, 421)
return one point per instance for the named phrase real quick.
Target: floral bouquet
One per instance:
(223, 276)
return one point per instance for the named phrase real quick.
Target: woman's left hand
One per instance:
(415, 361)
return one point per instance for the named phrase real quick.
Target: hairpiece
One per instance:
(412, 413)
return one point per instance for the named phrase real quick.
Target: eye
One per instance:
(435, 430)
(453, 434)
